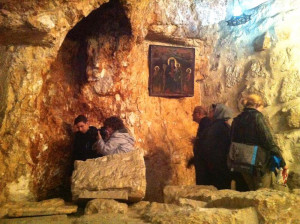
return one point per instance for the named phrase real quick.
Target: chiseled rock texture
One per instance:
(172, 194)
(43, 208)
(202, 205)
(271, 206)
(105, 206)
(53, 219)
(168, 213)
(63, 58)
(124, 171)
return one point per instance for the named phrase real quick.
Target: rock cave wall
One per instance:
(48, 77)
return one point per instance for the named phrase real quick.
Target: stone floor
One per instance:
(182, 204)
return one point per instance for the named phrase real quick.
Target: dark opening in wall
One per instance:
(108, 28)
(110, 18)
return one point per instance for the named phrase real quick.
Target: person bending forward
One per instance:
(119, 140)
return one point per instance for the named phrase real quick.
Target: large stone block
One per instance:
(118, 172)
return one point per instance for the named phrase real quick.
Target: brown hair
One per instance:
(252, 100)
(80, 118)
(114, 122)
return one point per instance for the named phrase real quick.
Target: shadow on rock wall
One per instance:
(54, 168)
(158, 174)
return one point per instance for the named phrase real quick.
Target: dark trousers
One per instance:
(210, 174)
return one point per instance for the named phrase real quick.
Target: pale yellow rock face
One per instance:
(48, 77)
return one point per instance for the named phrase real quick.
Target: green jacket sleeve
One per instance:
(266, 139)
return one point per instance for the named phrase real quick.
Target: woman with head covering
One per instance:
(216, 146)
(251, 128)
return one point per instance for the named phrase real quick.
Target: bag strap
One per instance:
(255, 149)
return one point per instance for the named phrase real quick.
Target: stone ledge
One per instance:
(48, 207)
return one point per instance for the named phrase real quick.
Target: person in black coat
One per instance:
(216, 147)
(250, 127)
(85, 137)
(200, 117)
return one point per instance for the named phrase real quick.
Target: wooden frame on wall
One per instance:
(171, 71)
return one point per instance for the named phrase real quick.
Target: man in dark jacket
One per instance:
(85, 137)
(200, 117)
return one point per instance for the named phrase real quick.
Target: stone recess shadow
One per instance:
(158, 174)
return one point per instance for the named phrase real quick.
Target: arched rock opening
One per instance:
(81, 81)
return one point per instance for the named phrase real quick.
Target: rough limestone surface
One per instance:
(263, 42)
(105, 206)
(115, 194)
(294, 117)
(169, 213)
(233, 76)
(48, 207)
(296, 191)
(192, 203)
(57, 62)
(290, 87)
(272, 206)
(114, 172)
(172, 194)
(54, 219)
(264, 206)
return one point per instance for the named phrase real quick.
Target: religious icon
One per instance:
(171, 71)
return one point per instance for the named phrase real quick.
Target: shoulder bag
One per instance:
(246, 158)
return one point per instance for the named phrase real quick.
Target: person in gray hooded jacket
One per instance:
(119, 140)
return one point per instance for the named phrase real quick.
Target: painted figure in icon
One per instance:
(173, 76)
(157, 80)
(188, 82)
(178, 78)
